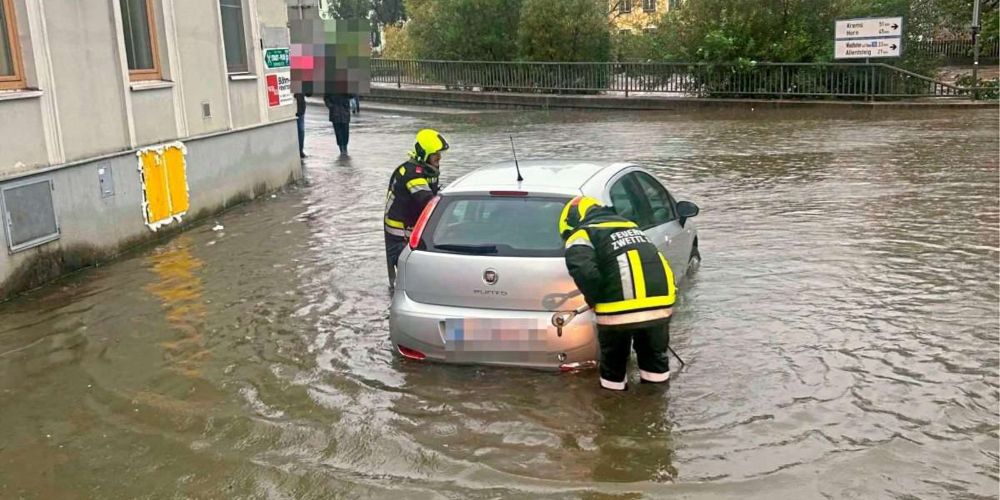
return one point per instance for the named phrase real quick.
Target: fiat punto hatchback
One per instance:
(484, 272)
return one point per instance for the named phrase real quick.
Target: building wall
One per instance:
(638, 18)
(80, 113)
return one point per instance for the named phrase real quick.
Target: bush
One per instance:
(564, 31)
(463, 30)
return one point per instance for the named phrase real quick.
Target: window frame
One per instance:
(156, 72)
(17, 81)
(624, 6)
(643, 212)
(649, 6)
(245, 70)
(657, 186)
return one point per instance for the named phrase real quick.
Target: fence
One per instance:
(956, 51)
(765, 80)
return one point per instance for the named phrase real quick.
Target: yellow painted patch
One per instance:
(154, 178)
(177, 180)
(164, 184)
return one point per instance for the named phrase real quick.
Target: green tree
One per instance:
(564, 31)
(464, 30)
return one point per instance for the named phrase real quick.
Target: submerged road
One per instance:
(841, 334)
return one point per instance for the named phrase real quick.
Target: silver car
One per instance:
(484, 272)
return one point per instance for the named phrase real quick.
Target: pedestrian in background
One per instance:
(300, 120)
(340, 116)
(356, 104)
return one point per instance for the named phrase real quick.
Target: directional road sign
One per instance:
(867, 38)
(868, 28)
(863, 48)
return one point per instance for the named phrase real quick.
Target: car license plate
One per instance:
(495, 335)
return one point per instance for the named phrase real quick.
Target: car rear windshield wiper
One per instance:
(474, 249)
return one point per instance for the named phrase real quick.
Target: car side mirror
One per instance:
(686, 210)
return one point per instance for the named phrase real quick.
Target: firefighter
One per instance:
(628, 284)
(411, 186)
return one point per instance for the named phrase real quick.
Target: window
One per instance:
(624, 6)
(649, 5)
(11, 72)
(506, 226)
(625, 31)
(673, 4)
(233, 36)
(626, 197)
(141, 49)
(660, 202)
(28, 213)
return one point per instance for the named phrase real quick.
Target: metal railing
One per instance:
(956, 50)
(764, 80)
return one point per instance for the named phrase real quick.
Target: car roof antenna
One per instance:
(518, 167)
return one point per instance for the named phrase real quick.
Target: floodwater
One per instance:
(841, 335)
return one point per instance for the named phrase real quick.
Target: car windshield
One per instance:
(516, 226)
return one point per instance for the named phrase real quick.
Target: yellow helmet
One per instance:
(428, 142)
(574, 212)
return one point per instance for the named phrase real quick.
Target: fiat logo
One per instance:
(490, 276)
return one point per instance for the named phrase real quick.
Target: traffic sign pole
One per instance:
(975, 50)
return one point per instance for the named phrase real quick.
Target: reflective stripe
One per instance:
(402, 170)
(626, 275)
(398, 224)
(633, 317)
(417, 184)
(638, 280)
(654, 377)
(614, 386)
(671, 289)
(397, 232)
(634, 304)
(579, 238)
(606, 225)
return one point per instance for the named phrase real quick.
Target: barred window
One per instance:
(234, 36)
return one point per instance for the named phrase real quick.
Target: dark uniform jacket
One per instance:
(622, 275)
(411, 186)
(339, 106)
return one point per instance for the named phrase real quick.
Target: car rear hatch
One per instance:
(492, 251)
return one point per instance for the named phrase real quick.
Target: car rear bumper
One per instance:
(420, 327)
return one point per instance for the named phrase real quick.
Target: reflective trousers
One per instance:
(650, 341)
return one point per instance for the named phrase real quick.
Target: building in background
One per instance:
(121, 117)
(635, 16)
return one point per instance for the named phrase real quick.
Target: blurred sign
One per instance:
(867, 38)
(276, 58)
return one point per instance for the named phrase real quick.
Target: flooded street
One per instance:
(841, 335)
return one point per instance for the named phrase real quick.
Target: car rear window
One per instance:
(514, 226)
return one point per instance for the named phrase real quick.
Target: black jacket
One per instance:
(339, 106)
(300, 105)
(621, 273)
(411, 186)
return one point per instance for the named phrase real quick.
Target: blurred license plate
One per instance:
(495, 335)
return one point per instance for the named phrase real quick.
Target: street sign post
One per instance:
(868, 38)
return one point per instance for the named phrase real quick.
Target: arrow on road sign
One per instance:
(895, 26)
(893, 46)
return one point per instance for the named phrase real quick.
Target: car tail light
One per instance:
(508, 193)
(411, 353)
(418, 229)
